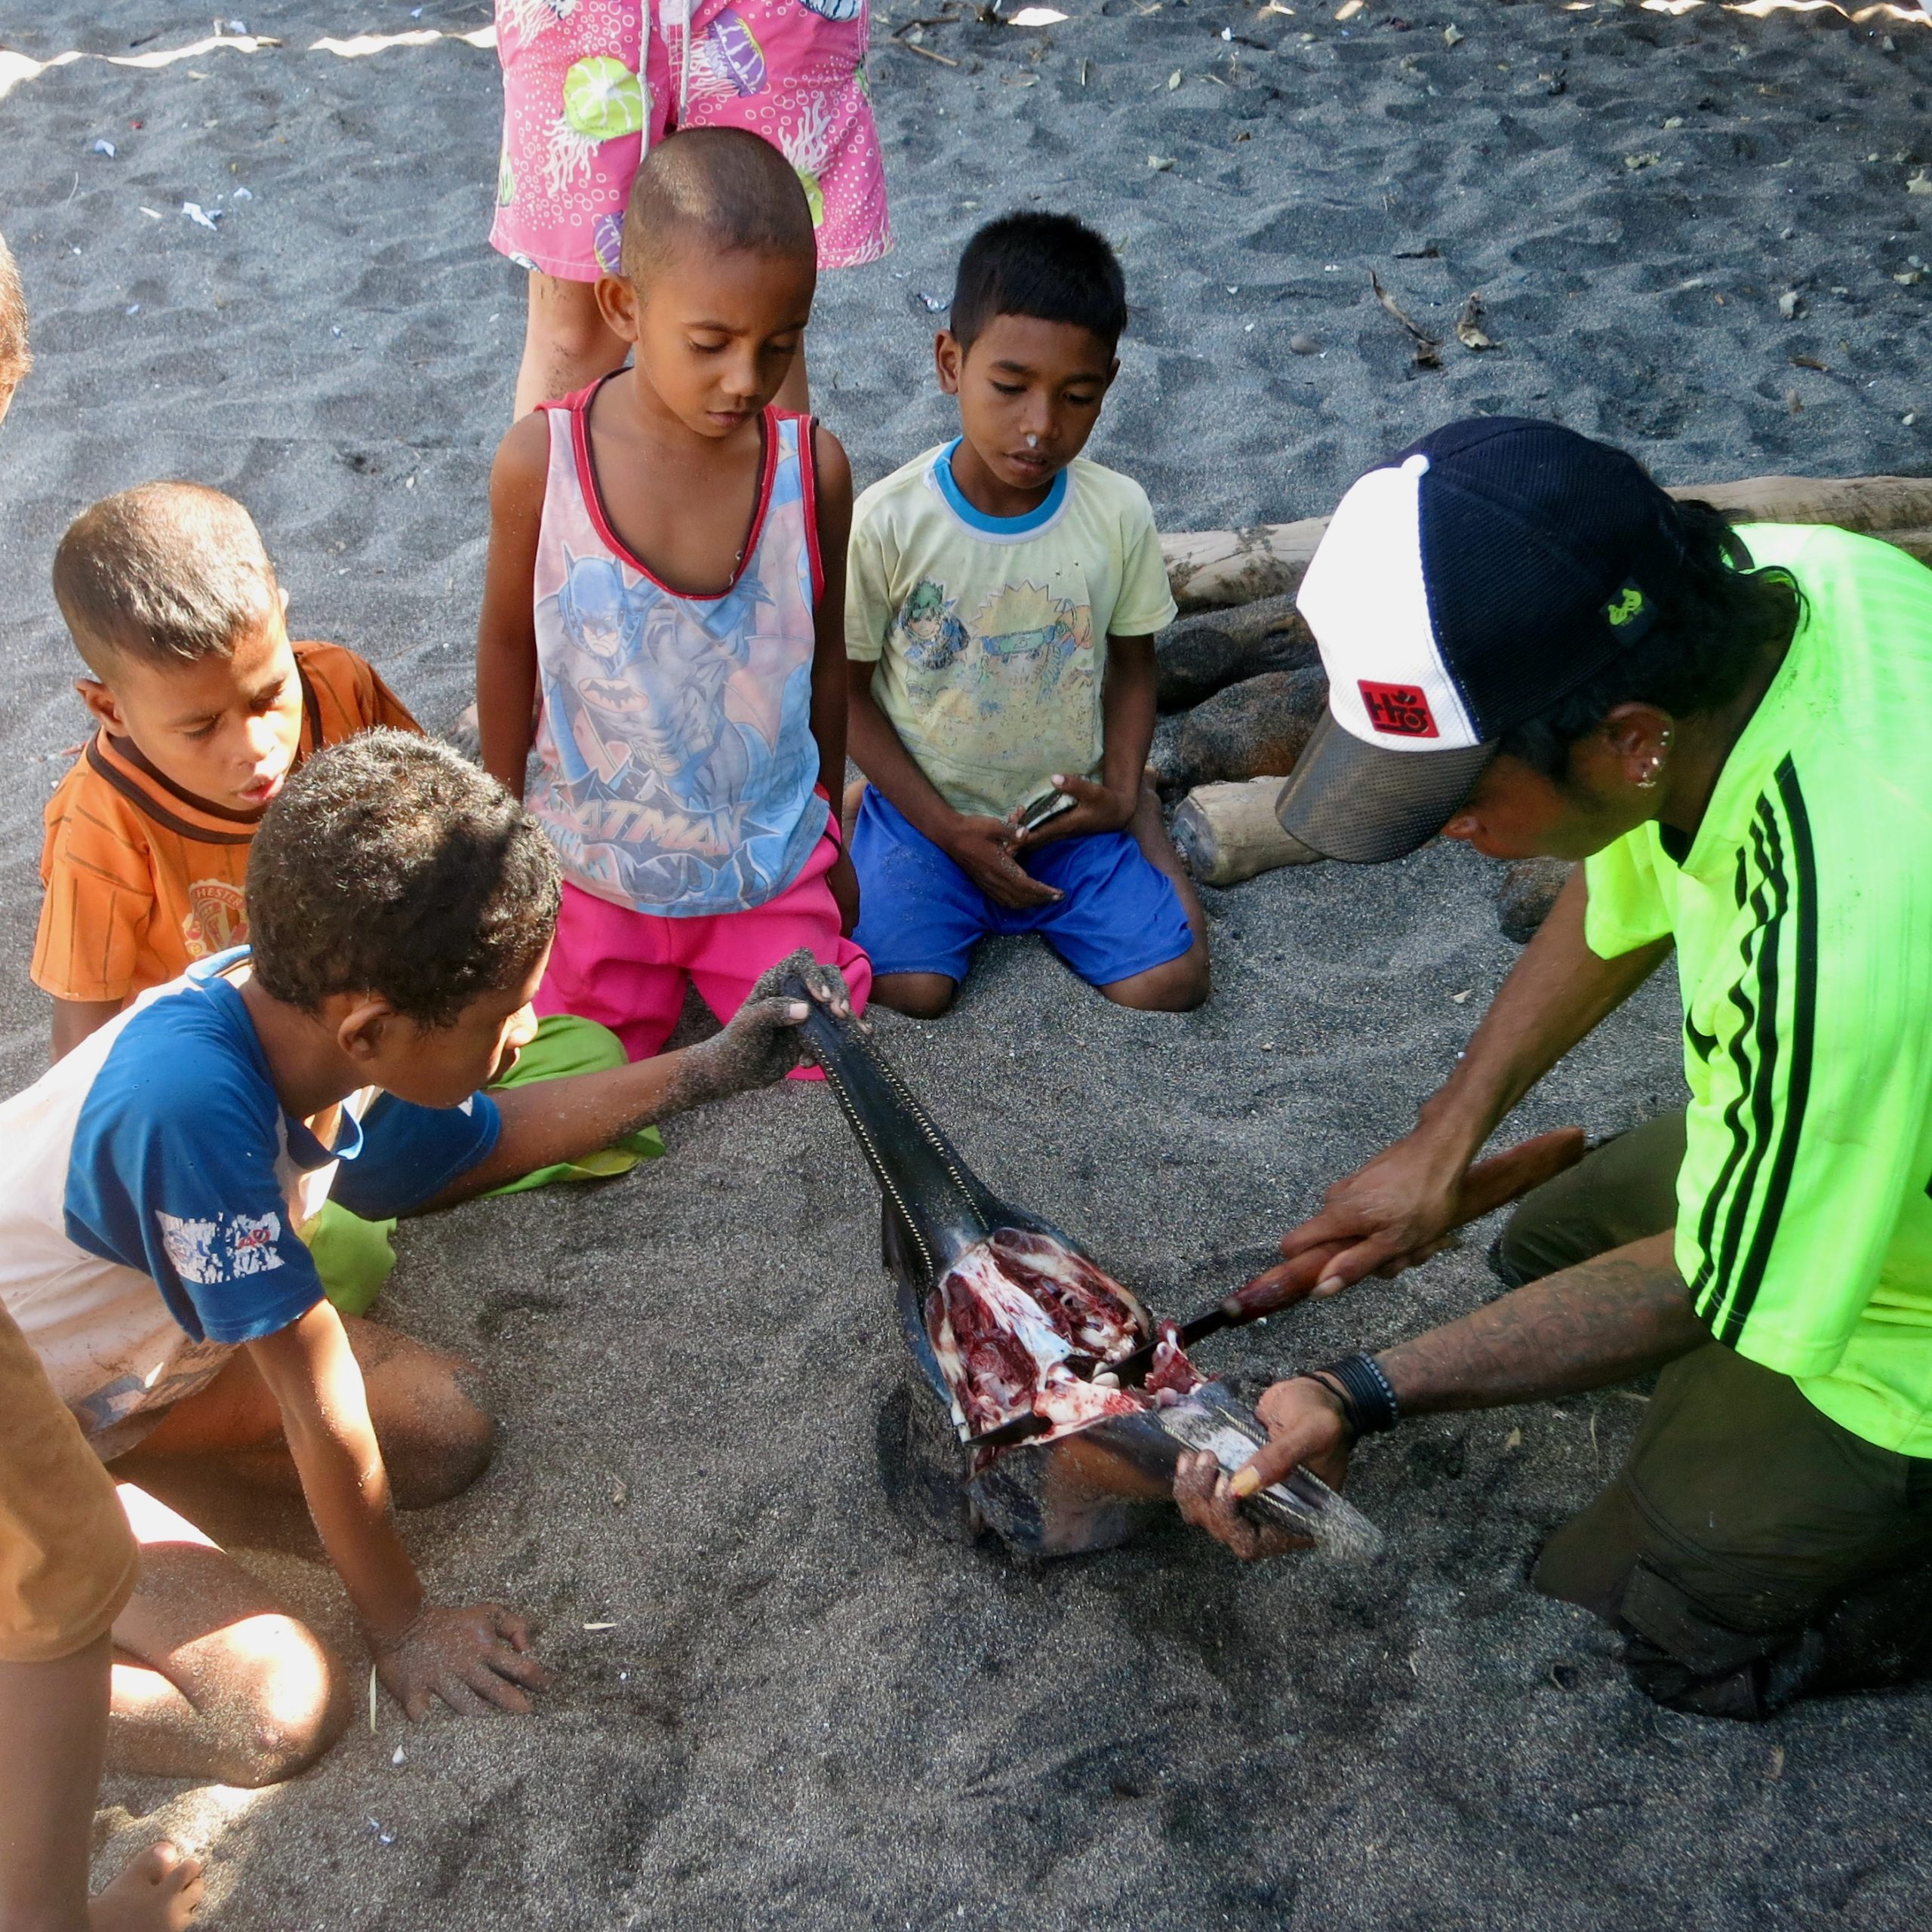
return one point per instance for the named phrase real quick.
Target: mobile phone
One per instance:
(1049, 805)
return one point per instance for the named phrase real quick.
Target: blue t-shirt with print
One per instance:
(183, 1164)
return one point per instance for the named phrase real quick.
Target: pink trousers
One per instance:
(627, 971)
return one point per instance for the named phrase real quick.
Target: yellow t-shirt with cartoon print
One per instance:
(990, 632)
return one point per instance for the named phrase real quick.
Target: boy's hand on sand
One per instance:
(982, 849)
(1304, 1431)
(1095, 809)
(474, 1658)
(762, 1044)
(1393, 1212)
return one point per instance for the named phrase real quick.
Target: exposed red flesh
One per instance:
(1022, 1323)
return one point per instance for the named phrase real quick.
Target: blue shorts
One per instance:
(919, 913)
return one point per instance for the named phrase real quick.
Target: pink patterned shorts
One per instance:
(578, 107)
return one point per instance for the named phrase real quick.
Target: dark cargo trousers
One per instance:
(1751, 1550)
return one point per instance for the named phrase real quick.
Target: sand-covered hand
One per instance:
(474, 1658)
(762, 1044)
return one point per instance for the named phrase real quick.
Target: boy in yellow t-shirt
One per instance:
(204, 708)
(1001, 597)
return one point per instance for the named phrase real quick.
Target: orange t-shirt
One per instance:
(141, 878)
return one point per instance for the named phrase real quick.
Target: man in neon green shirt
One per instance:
(1531, 647)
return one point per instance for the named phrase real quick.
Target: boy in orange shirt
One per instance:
(204, 707)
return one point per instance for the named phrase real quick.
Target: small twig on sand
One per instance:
(950, 17)
(1428, 349)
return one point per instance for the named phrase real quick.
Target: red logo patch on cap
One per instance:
(1400, 710)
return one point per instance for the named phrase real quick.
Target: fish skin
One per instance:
(1073, 1492)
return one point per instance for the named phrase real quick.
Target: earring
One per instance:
(1648, 782)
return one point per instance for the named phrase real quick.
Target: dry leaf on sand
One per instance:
(1428, 351)
(1468, 326)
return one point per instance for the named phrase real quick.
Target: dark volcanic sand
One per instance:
(815, 1709)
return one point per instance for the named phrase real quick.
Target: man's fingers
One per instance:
(1317, 1231)
(416, 1704)
(1269, 1464)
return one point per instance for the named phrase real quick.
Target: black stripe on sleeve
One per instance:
(1756, 1026)
(1804, 1032)
(1770, 902)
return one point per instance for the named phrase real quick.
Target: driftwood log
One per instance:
(1230, 832)
(1255, 729)
(1211, 568)
(1201, 655)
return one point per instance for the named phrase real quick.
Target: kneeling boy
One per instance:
(204, 708)
(154, 1183)
(1002, 596)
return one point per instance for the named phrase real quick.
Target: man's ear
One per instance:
(949, 360)
(362, 1024)
(1113, 370)
(1639, 737)
(101, 702)
(617, 303)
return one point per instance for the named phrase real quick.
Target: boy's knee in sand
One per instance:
(435, 1438)
(214, 1678)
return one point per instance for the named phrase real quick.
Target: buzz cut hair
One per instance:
(16, 358)
(722, 186)
(167, 573)
(390, 865)
(1051, 268)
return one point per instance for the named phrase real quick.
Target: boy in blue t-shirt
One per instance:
(1001, 597)
(155, 1185)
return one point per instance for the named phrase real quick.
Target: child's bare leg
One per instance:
(213, 1679)
(922, 995)
(54, 1719)
(1181, 984)
(435, 1442)
(566, 344)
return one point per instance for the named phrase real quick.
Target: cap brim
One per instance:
(1365, 805)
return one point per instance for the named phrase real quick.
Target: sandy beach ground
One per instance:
(802, 1705)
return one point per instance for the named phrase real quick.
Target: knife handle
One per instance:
(1488, 1184)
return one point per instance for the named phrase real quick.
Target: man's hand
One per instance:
(982, 849)
(1305, 1430)
(761, 1044)
(1095, 809)
(472, 1659)
(1391, 1213)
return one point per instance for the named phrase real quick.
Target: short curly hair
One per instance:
(389, 865)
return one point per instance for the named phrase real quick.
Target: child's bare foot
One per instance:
(158, 1891)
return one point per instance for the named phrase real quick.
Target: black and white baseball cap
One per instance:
(1462, 587)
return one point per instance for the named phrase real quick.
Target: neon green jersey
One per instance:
(1802, 917)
